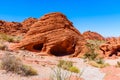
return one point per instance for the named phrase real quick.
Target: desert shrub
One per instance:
(90, 56)
(17, 38)
(118, 64)
(93, 47)
(100, 64)
(28, 70)
(6, 37)
(68, 65)
(11, 63)
(14, 64)
(10, 38)
(92, 44)
(74, 69)
(59, 74)
(2, 46)
(99, 61)
(65, 64)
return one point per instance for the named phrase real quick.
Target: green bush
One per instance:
(118, 64)
(74, 69)
(93, 47)
(68, 65)
(59, 74)
(65, 64)
(6, 37)
(98, 65)
(14, 64)
(10, 38)
(11, 63)
(99, 61)
(28, 70)
(90, 56)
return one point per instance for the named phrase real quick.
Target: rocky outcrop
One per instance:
(27, 23)
(111, 47)
(53, 34)
(88, 35)
(16, 28)
(10, 27)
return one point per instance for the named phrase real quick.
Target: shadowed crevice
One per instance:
(115, 52)
(38, 47)
(59, 50)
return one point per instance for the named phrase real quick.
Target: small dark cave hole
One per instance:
(60, 51)
(38, 47)
(115, 52)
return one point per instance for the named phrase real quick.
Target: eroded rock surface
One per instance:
(27, 23)
(89, 35)
(53, 34)
(111, 47)
(16, 28)
(10, 27)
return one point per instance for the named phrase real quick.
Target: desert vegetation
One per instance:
(14, 64)
(26, 56)
(93, 47)
(92, 56)
(9, 38)
(60, 74)
(68, 65)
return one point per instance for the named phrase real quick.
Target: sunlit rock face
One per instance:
(53, 34)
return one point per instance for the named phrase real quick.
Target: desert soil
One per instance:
(45, 65)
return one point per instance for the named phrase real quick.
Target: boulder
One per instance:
(111, 47)
(53, 34)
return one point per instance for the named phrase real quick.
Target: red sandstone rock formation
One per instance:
(15, 28)
(10, 27)
(27, 23)
(53, 34)
(92, 36)
(111, 47)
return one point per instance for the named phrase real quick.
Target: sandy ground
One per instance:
(45, 65)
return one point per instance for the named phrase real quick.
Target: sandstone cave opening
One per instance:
(115, 52)
(38, 47)
(61, 51)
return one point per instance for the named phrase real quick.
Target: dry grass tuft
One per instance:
(14, 64)
(68, 65)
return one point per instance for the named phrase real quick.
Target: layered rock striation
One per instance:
(55, 35)
(16, 28)
(111, 47)
(89, 35)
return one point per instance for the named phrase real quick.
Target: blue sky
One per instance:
(102, 16)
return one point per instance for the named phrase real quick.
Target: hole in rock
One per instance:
(115, 52)
(58, 50)
(38, 47)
